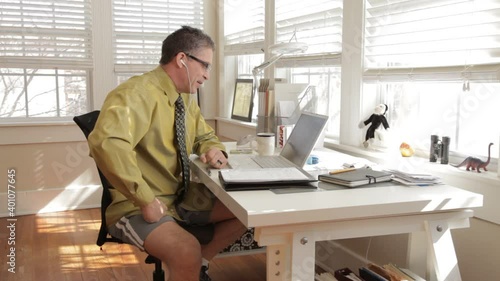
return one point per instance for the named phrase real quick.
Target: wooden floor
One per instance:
(61, 246)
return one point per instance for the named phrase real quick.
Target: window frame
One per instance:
(76, 16)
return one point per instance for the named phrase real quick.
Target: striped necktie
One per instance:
(180, 133)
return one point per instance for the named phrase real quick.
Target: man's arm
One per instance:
(207, 144)
(111, 143)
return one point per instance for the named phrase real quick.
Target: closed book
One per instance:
(397, 272)
(370, 275)
(356, 177)
(346, 274)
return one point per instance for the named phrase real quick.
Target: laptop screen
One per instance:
(303, 137)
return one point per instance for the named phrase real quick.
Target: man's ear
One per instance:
(180, 59)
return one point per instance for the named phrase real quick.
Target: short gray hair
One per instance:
(186, 39)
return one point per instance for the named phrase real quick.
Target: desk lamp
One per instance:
(278, 50)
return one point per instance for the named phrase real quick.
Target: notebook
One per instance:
(357, 177)
(282, 169)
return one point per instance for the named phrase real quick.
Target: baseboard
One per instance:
(51, 200)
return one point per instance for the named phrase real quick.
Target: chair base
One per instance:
(158, 273)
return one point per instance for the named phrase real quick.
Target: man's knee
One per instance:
(185, 253)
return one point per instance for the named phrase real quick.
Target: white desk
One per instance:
(290, 224)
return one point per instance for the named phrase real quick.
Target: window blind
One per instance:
(316, 22)
(243, 24)
(140, 26)
(45, 33)
(431, 33)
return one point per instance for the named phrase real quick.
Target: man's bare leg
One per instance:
(178, 249)
(227, 230)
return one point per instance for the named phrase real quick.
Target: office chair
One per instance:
(204, 234)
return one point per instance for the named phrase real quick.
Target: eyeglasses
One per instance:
(205, 64)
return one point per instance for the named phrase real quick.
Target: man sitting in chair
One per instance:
(147, 128)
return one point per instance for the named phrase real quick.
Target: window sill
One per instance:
(485, 183)
(248, 125)
(24, 123)
(415, 162)
(29, 133)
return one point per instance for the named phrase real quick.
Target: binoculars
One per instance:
(439, 149)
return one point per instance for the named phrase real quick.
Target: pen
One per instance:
(341, 171)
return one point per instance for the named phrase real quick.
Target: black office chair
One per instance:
(204, 234)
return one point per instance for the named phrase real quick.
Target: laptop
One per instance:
(294, 154)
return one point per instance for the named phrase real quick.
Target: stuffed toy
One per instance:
(376, 119)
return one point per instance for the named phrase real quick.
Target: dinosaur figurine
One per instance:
(473, 163)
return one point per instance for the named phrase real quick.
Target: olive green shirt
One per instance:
(133, 142)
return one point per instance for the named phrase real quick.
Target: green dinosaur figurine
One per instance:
(473, 163)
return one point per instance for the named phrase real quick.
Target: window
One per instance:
(326, 95)
(243, 45)
(243, 26)
(317, 22)
(435, 64)
(140, 26)
(46, 58)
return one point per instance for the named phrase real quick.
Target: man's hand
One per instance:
(215, 158)
(154, 211)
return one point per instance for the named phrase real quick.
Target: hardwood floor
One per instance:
(61, 246)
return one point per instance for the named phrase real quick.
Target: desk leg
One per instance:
(303, 256)
(292, 261)
(442, 251)
(418, 256)
(277, 262)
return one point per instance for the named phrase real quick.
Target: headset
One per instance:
(189, 78)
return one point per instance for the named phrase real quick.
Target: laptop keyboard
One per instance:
(272, 162)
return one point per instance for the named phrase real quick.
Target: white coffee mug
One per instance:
(264, 143)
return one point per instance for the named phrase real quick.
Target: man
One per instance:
(136, 145)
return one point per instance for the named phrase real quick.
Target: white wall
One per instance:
(52, 176)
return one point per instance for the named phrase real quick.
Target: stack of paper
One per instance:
(325, 276)
(414, 179)
(388, 272)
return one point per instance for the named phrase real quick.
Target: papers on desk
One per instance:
(262, 176)
(414, 179)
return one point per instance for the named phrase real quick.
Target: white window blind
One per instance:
(140, 26)
(316, 22)
(243, 24)
(45, 33)
(431, 33)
